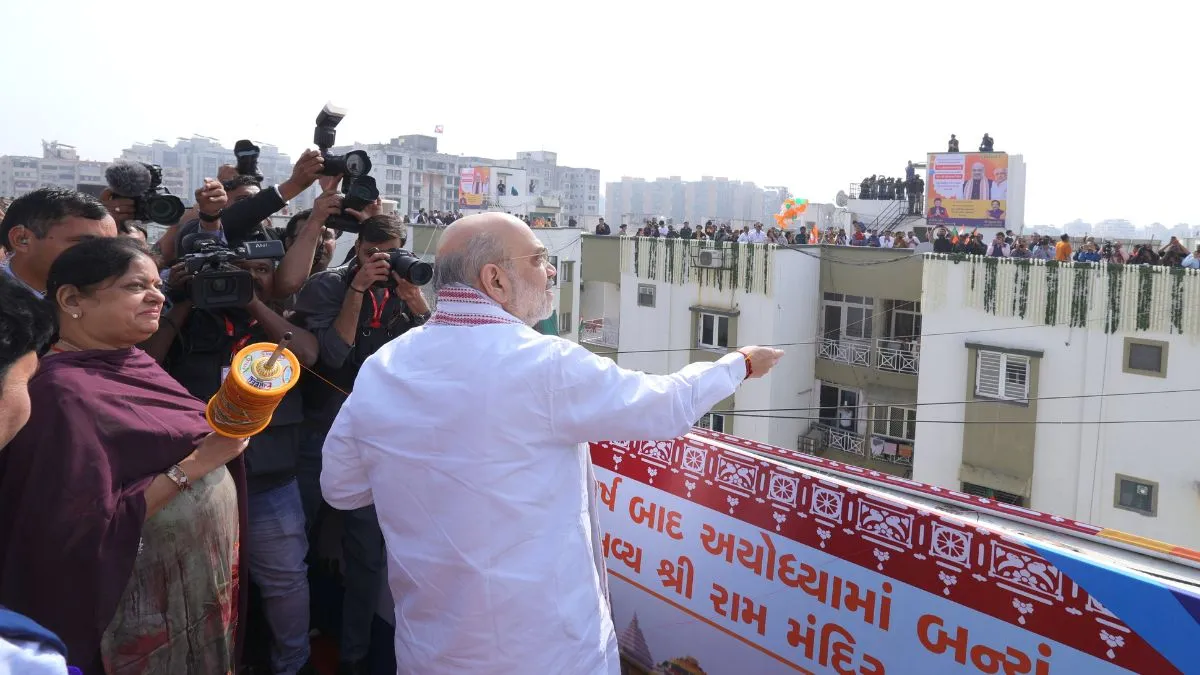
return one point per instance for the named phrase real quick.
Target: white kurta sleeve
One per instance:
(344, 481)
(594, 399)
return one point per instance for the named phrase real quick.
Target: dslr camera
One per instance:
(216, 282)
(247, 159)
(408, 267)
(359, 188)
(142, 183)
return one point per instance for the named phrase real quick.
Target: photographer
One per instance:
(353, 310)
(196, 347)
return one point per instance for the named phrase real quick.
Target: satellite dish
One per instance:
(841, 199)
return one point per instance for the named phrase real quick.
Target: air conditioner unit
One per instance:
(710, 258)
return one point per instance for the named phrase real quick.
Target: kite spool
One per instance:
(259, 377)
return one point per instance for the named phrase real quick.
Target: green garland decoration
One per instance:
(973, 277)
(636, 242)
(1080, 292)
(1021, 297)
(734, 251)
(766, 265)
(1116, 282)
(1051, 293)
(749, 268)
(1177, 299)
(1145, 287)
(670, 275)
(990, 271)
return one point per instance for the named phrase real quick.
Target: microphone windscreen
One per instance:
(128, 179)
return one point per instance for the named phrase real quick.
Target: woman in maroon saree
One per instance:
(121, 511)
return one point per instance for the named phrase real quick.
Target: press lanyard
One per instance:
(377, 307)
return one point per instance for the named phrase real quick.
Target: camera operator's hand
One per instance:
(305, 173)
(411, 295)
(373, 209)
(121, 208)
(377, 269)
(211, 198)
(328, 183)
(328, 204)
(179, 281)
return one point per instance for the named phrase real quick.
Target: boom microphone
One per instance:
(128, 179)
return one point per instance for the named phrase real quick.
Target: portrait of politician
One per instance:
(937, 210)
(996, 213)
(978, 186)
(1000, 184)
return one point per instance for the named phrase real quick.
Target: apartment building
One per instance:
(1064, 388)
(189, 161)
(848, 319)
(632, 200)
(59, 166)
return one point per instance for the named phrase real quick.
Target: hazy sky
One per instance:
(1098, 97)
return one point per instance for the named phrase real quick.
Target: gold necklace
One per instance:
(68, 345)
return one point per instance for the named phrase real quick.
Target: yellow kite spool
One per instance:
(259, 377)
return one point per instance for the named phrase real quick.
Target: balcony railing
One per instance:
(898, 356)
(840, 439)
(846, 350)
(599, 332)
(833, 438)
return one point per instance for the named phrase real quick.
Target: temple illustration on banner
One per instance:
(636, 658)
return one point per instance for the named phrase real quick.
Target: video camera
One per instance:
(216, 282)
(247, 159)
(142, 183)
(359, 189)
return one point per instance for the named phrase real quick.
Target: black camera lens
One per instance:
(163, 209)
(411, 268)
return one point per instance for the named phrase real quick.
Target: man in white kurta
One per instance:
(467, 434)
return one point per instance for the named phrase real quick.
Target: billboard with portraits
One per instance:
(967, 189)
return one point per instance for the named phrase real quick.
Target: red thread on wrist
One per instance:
(746, 358)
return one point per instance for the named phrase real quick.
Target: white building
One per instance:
(1069, 389)
(190, 160)
(59, 166)
(656, 305)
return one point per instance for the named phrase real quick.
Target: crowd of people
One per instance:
(910, 188)
(1043, 247)
(441, 451)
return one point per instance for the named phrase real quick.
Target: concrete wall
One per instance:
(1094, 419)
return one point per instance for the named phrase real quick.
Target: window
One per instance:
(839, 407)
(902, 319)
(567, 273)
(713, 331)
(645, 296)
(1145, 357)
(989, 493)
(895, 422)
(847, 316)
(1002, 376)
(1137, 495)
(713, 422)
(564, 323)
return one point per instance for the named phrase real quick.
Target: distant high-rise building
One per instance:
(59, 166)
(190, 160)
(632, 200)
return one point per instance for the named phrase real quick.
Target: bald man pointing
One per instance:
(467, 434)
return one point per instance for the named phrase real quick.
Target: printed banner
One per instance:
(968, 189)
(473, 186)
(721, 562)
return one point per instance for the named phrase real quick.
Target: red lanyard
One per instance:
(377, 307)
(239, 344)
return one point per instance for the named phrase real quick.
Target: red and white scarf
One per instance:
(460, 305)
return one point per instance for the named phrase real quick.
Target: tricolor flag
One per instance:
(437, 129)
